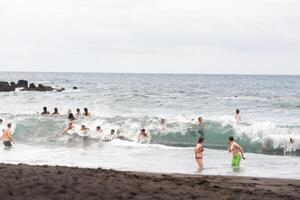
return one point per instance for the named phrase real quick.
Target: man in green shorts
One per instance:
(237, 152)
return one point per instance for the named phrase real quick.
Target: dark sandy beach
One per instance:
(47, 182)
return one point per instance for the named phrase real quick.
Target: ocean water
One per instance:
(270, 111)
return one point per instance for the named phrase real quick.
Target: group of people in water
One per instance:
(234, 148)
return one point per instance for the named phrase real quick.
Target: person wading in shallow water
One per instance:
(7, 137)
(237, 152)
(199, 153)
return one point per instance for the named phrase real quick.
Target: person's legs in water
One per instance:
(7, 145)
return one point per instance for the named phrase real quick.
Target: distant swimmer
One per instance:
(143, 136)
(98, 129)
(237, 116)
(86, 112)
(45, 111)
(111, 136)
(162, 124)
(55, 112)
(289, 147)
(199, 153)
(84, 130)
(237, 152)
(200, 127)
(78, 112)
(7, 137)
(71, 117)
(69, 128)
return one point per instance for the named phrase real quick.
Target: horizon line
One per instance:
(151, 73)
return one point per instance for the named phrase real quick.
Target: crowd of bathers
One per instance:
(143, 136)
(234, 148)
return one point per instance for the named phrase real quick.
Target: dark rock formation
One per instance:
(22, 83)
(6, 87)
(32, 86)
(13, 84)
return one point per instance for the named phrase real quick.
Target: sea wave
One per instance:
(179, 131)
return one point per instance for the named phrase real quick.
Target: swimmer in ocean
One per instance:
(86, 112)
(78, 112)
(98, 129)
(45, 111)
(143, 136)
(289, 146)
(7, 137)
(70, 127)
(84, 129)
(55, 112)
(162, 124)
(199, 153)
(237, 152)
(71, 117)
(200, 127)
(237, 116)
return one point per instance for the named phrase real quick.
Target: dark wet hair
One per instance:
(71, 116)
(98, 127)
(85, 111)
(78, 109)
(231, 138)
(143, 130)
(1, 120)
(201, 139)
(9, 125)
(237, 111)
(55, 110)
(112, 131)
(45, 109)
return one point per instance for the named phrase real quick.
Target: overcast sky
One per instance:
(157, 36)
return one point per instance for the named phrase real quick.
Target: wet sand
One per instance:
(48, 182)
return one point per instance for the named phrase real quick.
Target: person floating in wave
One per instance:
(237, 116)
(98, 129)
(78, 113)
(69, 129)
(111, 136)
(143, 136)
(55, 112)
(45, 111)
(86, 112)
(200, 127)
(162, 124)
(237, 152)
(84, 130)
(199, 153)
(289, 146)
(7, 137)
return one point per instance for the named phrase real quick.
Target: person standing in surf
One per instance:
(200, 127)
(199, 153)
(7, 137)
(237, 152)
(237, 116)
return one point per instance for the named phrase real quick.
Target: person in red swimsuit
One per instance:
(199, 153)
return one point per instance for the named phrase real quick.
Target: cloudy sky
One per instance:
(156, 36)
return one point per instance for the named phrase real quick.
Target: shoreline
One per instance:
(57, 182)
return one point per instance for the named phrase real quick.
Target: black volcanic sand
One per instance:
(46, 182)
